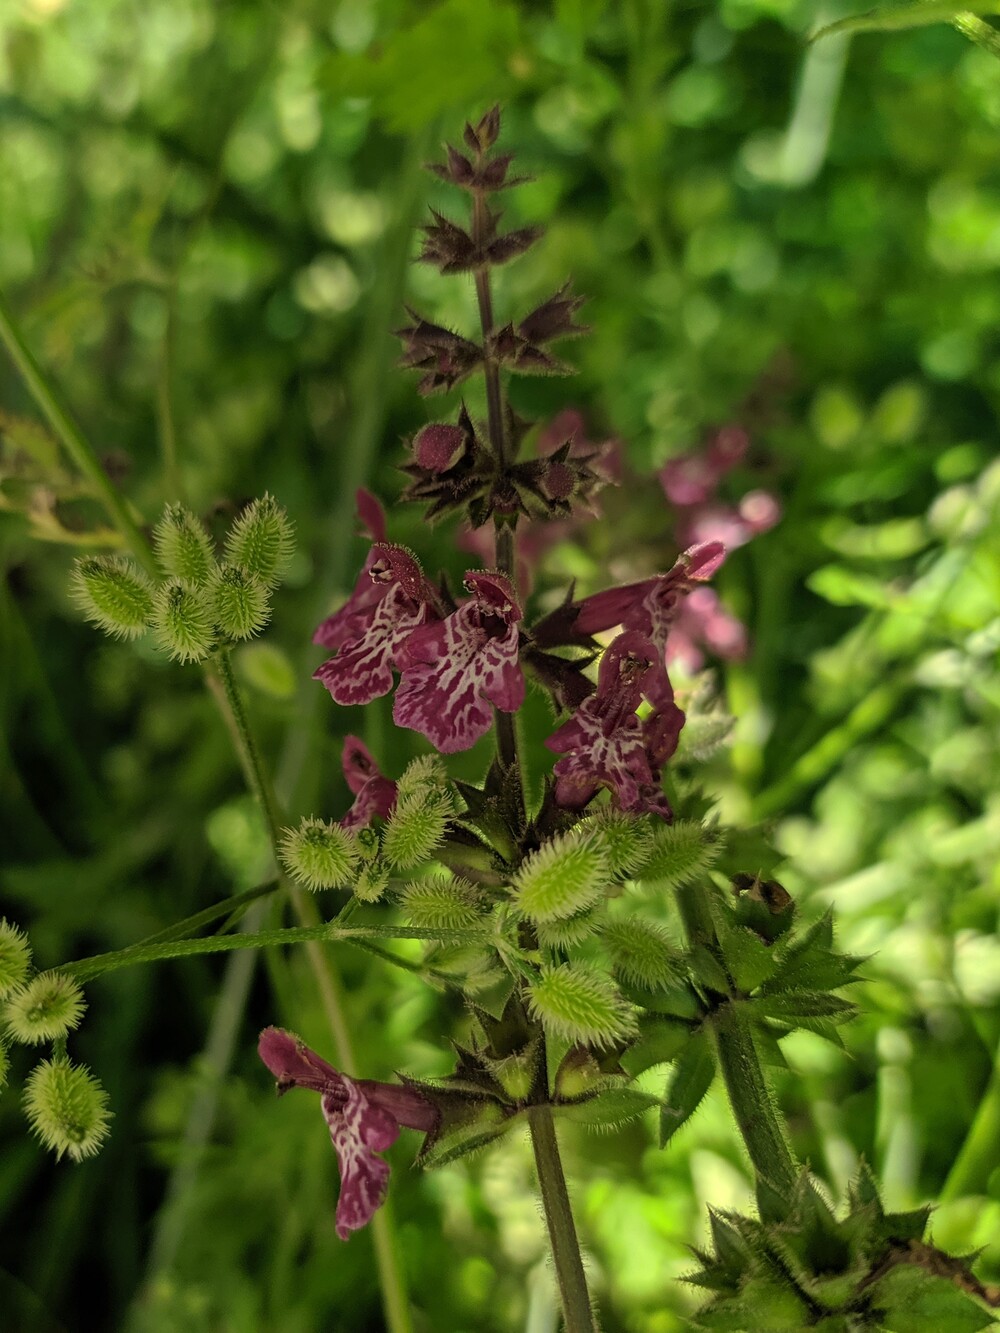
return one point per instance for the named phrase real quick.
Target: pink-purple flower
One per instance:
(454, 669)
(390, 599)
(374, 794)
(606, 744)
(363, 1117)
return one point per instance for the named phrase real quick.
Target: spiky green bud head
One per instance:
(565, 876)
(4, 1065)
(371, 882)
(67, 1108)
(441, 901)
(641, 952)
(579, 1004)
(182, 622)
(416, 826)
(114, 594)
(15, 956)
(571, 930)
(679, 853)
(319, 854)
(240, 603)
(262, 541)
(44, 1008)
(627, 841)
(183, 547)
(426, 772)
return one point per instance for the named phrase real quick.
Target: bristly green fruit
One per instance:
(114, 594)
(183, 547)
(678, 854)
(441, 901)
(262, 541)
(571, 930)
(239, 602)
(15, 956)
(416, 826)
(427, 770)
(44, 1009)
(371, 882)
(182, 623)
(641, 952)
(579, 1004)
(565, 876)
(627, 840)
(4, 1065)
(67, 1108)
(319, 855)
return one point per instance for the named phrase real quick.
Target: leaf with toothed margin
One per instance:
(693, 1074)
(613, 1107)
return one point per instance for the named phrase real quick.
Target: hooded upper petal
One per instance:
(374, 793)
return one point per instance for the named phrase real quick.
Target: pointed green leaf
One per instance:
(914, 1301)
(691, 1079)
(612, 1107)
(660, 1040)
(901, 17)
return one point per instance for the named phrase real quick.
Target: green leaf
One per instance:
(900, 17)
(791, 1005)
(748, 958)
(691, 1079)
(614, 1106)
(660, 1040)
(917, 1302)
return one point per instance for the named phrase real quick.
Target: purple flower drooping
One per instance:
(454, 669)
(363, 1117)
(651, 606)
(390, 599)
(605, 744)
(374, 794)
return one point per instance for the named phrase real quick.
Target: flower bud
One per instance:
(319, 855)
(438, 447)
(44, 1009)
(415, 827)
(640, 952)
(183, 547)
(563, 877)
(627, 840)
(262, 541)
(182, 623)
(114, 594)
(239, 602)
(15, 956)
(679, 852)
(67, 1108)
(4, 1065)
(371, 882)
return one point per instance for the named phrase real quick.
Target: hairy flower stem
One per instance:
(79, 449)
(577, 1312)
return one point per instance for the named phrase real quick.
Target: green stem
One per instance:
(978, 1157)
(753, 1104)
(71, 437)
(577, 1312)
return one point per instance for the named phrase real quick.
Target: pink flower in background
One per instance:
(454, 669)
(390, 600)
(363, 1117)
(374, 794)
(605, 744)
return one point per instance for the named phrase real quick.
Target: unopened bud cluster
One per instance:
(202, 601)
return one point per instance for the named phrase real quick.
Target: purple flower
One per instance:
(390, 599)
(605, 744)
(454, 669)
(363, 1117)
(374, 794)
(651, 607)
(704, 621)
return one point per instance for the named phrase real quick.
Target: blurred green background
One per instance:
(207, 216)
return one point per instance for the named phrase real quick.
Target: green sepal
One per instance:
(706, 970)
(692, 1076)
(794, 1006)
(748, 958)
(914, 1301)
(607, 1109)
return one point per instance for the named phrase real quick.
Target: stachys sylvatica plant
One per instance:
(548, 915)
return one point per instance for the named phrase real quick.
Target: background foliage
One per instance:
(207, 215)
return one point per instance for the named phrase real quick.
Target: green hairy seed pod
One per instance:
(319, 855)
(640, 951)
(570, 930)
(678, 853)
(262, 541)
(4, 1066)
(183, 547)
(15, 956)
(626, 840)
(420, 774)
(416, 827)
(182, 623)
(579, 1004)
(440, 900)
(114, 594)
(44, 1009)
(239, 602)
(563, 877)
(67, 1108)
(371, 882)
